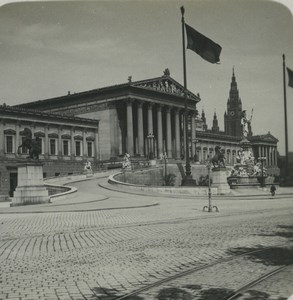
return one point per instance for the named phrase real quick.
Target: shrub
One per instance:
(204, 180)
(170, 179)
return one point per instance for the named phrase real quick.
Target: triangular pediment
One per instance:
(265, 138)
(165, 84)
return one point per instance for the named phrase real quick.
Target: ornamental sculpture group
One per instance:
(247, 169)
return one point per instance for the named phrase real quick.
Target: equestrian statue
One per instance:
(218, 160)
(33, 145)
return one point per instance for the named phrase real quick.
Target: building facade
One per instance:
(66, 142)
(139, 118)
(143, 118)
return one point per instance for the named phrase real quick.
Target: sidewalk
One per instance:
(88, 197)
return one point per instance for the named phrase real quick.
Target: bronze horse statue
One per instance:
(33, 145)
(218, 160)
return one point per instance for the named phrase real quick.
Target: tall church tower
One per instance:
(234, 110)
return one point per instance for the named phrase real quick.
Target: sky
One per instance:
(48, 48)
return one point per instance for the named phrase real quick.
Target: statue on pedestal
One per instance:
(126, 165)
(218, 160)
(33, 145)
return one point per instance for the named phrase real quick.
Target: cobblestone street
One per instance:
(107, 244)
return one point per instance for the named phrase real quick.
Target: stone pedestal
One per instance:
(219, 177)
(30, 188)
(89, 173)
(153, 162)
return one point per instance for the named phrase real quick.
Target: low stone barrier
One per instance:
(176, 190)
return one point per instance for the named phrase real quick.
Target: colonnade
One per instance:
(160, 129)
(270, 154)
(206, 151)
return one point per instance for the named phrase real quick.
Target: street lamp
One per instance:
(210, 206)
(165, 161)
(262, 159)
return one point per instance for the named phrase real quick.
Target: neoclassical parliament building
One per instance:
(143, 118)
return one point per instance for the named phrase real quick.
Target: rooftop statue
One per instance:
(33, 145)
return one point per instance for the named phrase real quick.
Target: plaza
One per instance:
(101, 243)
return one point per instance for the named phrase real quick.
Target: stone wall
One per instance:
(152, 177)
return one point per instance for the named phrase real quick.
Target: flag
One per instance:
(202, 45)
(290, 76)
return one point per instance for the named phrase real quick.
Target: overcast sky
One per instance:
(48, 48)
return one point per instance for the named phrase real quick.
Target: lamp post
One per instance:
(210, 206)
(165, 161)
(262, 159)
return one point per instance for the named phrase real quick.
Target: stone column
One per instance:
(193, 135)
(169, 134)
(46, 142)
(60, 142)
(140, 128)
(1, 138)
(97, 149)
(17, 137)
(160, 130)
(84, 145)
(72, 146)
(259, 151)
(33, 129)
(177, 134)
(184, 134)
(150, 119)
(129, 128)
(276, 156)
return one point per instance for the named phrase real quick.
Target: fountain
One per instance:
(247, 172)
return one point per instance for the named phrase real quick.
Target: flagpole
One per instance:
(285, 113)
(188, 177)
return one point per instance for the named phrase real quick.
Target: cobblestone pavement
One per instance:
(103, 254)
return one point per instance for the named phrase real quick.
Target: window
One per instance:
(9, 144)
(90, 149)
(52, 146)
(66, 147)
(77, 148)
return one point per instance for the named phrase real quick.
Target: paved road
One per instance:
(91, 249)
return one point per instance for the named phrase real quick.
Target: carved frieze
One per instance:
(166, 86)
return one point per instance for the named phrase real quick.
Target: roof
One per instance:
(37, 114)
(267, 138)
(165, 86)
